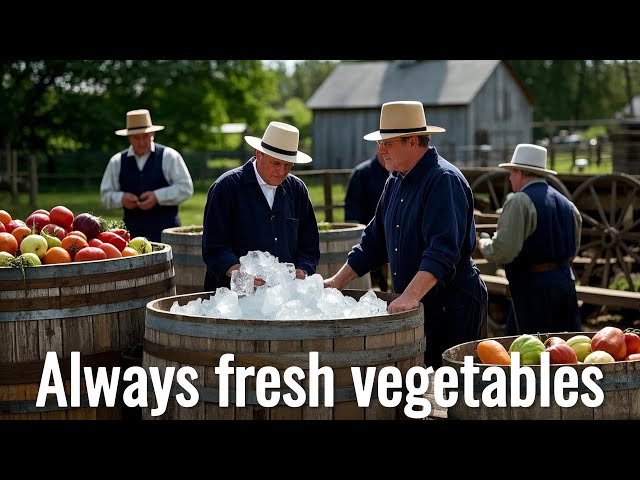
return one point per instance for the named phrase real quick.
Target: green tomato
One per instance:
(529, 347)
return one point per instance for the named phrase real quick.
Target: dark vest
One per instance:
(146, 223)
(554, 237)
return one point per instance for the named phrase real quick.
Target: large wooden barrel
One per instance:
(179, 340)
(620, 385)
(186, 244)
(335, 244)
(95, 308)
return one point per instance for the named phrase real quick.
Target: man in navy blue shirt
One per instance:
(363, 192)
(261, 206)
(424, 228)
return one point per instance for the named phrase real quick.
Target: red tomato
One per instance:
(62, 216)
(88, 254)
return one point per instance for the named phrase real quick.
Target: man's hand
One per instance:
(402, 304)
(148, 200)
(301, 273)
(129, 201)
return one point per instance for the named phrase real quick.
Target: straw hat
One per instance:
(139, 121)
(402, 119)
(532, 158)
(280, 141)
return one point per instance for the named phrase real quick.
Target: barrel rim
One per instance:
(107, 265)
(344, 227)
(153, 308)
(182, 230)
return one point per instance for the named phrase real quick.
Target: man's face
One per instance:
(395, 153)
(517, 180)
(141, 142)
(272, 170)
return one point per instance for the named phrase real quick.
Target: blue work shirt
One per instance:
(238, 219)
(424, 222)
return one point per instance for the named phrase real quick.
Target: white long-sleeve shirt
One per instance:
(173, 167)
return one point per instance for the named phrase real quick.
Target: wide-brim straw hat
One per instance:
(532, 158)
(402, 119)
(280, 140)
(139, 121)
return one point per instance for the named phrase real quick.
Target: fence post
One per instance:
(328, 203)
(33, 180)
(552, 156)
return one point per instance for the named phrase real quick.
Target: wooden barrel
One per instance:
(95, 308)
(335, 244)
(179, 340)
(620, 385)
(186, 244)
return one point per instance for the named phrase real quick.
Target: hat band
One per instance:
(527, 165)
(142, 126)
(279, 150)
(403, 130)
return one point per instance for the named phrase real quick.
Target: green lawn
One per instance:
(191, 211)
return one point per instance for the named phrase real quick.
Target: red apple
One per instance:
(610, 340)
(13, 224)
(551, 341)
(40, 210)
(54, 230)
(37, 220)
(632, 340)
(561, 353)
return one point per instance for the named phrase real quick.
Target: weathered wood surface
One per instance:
(335, 244)
(173, 340)
(190, 269)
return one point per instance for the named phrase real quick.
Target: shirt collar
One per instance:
(131, 153)
(261, 182)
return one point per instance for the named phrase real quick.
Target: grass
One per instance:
(191, 211)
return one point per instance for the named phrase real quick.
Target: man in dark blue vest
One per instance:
(537, 236)
(147, 180)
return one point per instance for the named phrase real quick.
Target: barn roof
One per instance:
(432, 82)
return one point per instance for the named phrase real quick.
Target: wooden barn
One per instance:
(481, 103)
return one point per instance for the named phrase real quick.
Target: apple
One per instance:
(560, 353)
(35, 244)
(37, 221)
(62, 216)
(55, 230)
(141, 245)
(40, 210)
(599, 356)
(51, 241)
(581, 344)
(31, 259)
(13, 224)
(551, 341)
(633, 343)
(5, 259)
(610, 340)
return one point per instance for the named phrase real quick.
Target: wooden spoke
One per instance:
(625, 268)
(610, 236)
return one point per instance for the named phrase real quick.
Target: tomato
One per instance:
(113, 238)
(54, 230)
(122, 232)
(89, 254)
(62, 216)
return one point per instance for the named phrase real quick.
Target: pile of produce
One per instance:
(58, 236)
(608, 345)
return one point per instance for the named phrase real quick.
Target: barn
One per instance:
(482, 104)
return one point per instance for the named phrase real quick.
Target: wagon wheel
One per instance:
(610, 242)
(497, 186)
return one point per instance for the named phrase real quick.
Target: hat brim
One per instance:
(374, 136)
(299, 157)
(513, 166)
(136, 131)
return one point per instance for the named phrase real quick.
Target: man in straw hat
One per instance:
(537, 236)
(424, 227)
(147, 180)
(261, 206)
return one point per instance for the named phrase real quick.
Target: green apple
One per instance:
(141, 245)
(5, 259)
(31, 259)
(52, 241)
(34, 243)
(581, 344)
